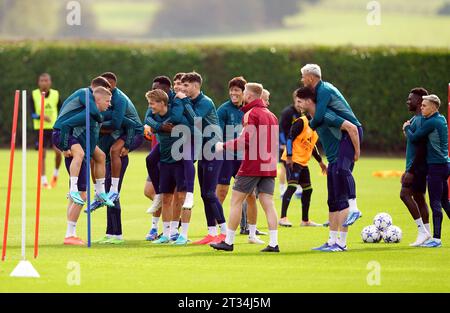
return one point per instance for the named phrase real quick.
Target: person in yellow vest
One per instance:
(52, 104)
(300, 145)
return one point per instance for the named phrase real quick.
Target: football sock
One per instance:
(155, 221)
(212, 230)
(114, 184)
(73, 184)
(71, 229)
(230, 236)
(273, 238)
(184, 230)
(332, 238)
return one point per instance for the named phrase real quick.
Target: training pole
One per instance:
(39, 173)
(11, 164)
(88, 169)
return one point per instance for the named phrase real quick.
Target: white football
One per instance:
(371, 234)
(382, 221)
(393, 234)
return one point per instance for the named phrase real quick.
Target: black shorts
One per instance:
(298, 175)
(419, 183)
(47, 139)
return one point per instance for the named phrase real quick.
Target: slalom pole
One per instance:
(38, 192)
(88, 169)
(11, 165)
(24, 171)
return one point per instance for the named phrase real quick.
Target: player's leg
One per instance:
(225, 175)
(74, 172)
(58, 160)
(185, 212)
(99, 158)
(445, 202)
(116, 165)
(307, 190)
(167, 188)
(281, 174)
(252, 217)
(266, 188)
(210, 185)
(292, 177)
(176, 212)
(149, 192)
(153, 170)
(189, 177)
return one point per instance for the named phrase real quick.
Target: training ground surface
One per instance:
(139, 266)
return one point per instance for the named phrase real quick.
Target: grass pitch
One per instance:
(139, 266)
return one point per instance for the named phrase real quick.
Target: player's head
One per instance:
(102, 98)
(307, 99)
(157, 100)
(430, 105)
(44, 82)
(236, 88)
(252, 92)
(177, 84)
(163, 83)
(265, 97)
(100, 82)
(112, 79)
(414, 100)
(192, 84)
(296, 101)
(311, 75)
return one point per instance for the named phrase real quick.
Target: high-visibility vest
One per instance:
(303, 144)
(50, 107)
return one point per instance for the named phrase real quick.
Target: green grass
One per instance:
(138, 266)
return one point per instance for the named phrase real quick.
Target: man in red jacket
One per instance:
(259, 140)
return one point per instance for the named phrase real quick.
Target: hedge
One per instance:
(375, 81)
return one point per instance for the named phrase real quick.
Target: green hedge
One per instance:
(375, 81)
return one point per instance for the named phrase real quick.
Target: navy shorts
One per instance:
(56, 139)
(298, 175)
(229, 169)
(137, 141)
(81, 177)
(171, 177)
(419, 183)
(337, 200)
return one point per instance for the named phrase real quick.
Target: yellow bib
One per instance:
(303, 144)
(50, 107)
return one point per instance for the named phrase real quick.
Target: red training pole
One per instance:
(11, 165)
(38, 192)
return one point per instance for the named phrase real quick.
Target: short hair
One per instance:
(44, 74)
(419, 91)
(238, 82)
(100, 82)
(157, 95)
(192, 77)
(313, 69)
(102, 91)
(163, 80)
(110, 75)
(266, 92)
(434, 99)
(178, 76)
(255, 88)
(294, 94)
(305, 93)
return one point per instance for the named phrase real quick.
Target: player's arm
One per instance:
(222, 115)
(78, 119)
(285, 125)
(296, 129)
(118, 113)
(246, 136)
(93, 110)
(352, 131)
(130, 131)
(420, 156)
(321, 108)
(427, 127)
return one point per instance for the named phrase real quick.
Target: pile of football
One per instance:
(382, 228)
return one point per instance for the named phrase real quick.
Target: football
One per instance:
(393, 234)
(382, 221)
(371, 234)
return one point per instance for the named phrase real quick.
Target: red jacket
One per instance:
(259, 140)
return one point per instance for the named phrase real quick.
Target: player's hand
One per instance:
(167, 128)
(408, 178)
(282, 147)
(407, 123)
(47, 118)
(124, 152)
(181, 95)
(67, 154)
(219, 146)
(289, 162)
(324, 168)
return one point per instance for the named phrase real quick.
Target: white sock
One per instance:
(420, 227)
(73, 184)
(173, 228)
(342, 241)
(114, 185)
(352, 205)
(55, 172)
(212, 231)
(282, 188)
(184, 230)
(273, 235)
(166, 229)
(223, 228)
(44, 179)
(100, 185)
(427, 227)
(230, 236)
(155, 221)
(332, 238)
(252, 231)
(71, 229)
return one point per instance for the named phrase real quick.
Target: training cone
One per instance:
(24, 269)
